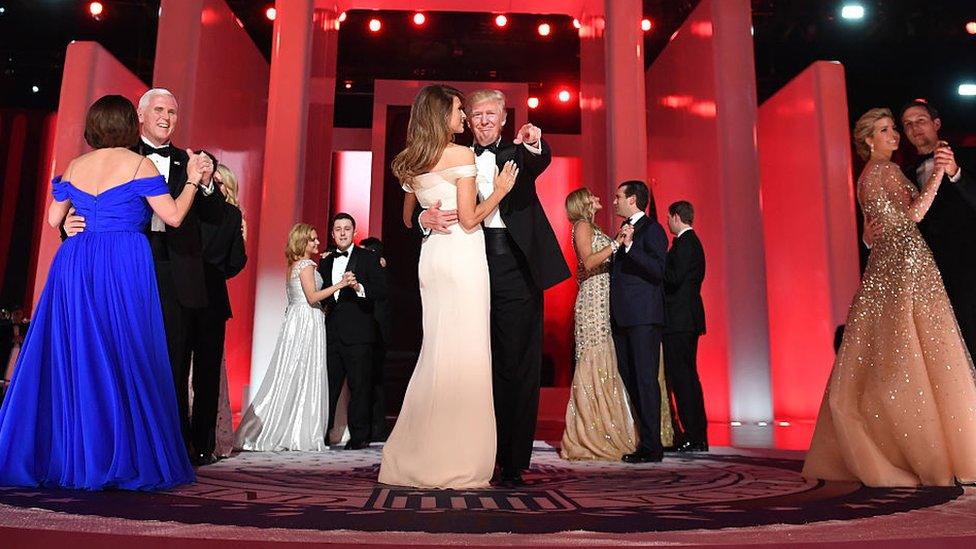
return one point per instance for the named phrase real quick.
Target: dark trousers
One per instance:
(195, 337)
(516, 349)
(352, 363)
(681, 371)
(378, 427)
(638, 360)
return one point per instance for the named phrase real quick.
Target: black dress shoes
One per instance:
(511, 478)
(643, 456)
(691, 446)
(200, 460)
(357, 444)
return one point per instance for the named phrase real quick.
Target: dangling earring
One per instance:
(872, 147)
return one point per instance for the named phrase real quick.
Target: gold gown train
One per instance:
(900, 404)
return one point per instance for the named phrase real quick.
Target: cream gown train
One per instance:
(900, 405)
(445, 434)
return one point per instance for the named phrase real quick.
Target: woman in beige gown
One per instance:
(599, 422)
(900, 404)
(444, 436)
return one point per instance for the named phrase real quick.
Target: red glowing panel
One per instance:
(419, 19)
(501, 21)
(702, 29)
(375, 25)
(96, 8)
(533, 102)
(705, 109)
(646, 25)
(271, 13)
(676, 101)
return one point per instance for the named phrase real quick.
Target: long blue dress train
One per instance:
(91, 404)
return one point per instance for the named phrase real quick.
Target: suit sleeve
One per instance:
(650, 254)
(236, 256)
(967, 181)
(534, 164)
(210, 208)
(378, 286)
(417, 210)
(684, 263)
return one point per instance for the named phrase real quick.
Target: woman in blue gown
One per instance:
(91, 404)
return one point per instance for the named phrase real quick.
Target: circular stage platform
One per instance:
(726, 496)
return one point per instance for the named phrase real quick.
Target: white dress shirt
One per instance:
(339, 264)
(683, 231)
(633, 221)
(487, 171)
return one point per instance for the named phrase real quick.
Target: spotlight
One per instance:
(762, 424)
(544, 29)
(3, 10)
(970, 27)
(784, 423)
(576, 24)
(375, 25)
(735, 423)
(852, 11)
(348, 84)
(35, 89)
(564, 96)
(342, 17)
(271, 13)
(967, 90)
(646, 24)
(533, 102)
(419, 19)
(96, 9)
(501, 21)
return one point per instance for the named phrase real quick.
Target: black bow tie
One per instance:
(625, 223)
(341, 254)
(493, 148)
(164, 151)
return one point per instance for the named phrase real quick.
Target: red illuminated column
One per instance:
(593, 110)
(89, 73)
(701, 97)
(810, 232)
(626, 107)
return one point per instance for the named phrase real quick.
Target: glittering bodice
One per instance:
(592, 313)
(293, 287)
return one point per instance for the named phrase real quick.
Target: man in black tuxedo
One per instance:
(381, 311)
(180, 274)
(949, 227)
(524, 259)
(684, 271)
(351, 327)
(637, 312)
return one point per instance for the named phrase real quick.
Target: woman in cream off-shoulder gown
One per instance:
(444, 436)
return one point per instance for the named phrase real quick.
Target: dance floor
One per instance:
(728, 497)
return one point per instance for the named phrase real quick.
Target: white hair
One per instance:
(146, 97)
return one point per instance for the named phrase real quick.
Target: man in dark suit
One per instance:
(637, 312)
(684, 272)
(351, 327)
(381, 311)
(180, 273)
(524, 259)
(949, 227)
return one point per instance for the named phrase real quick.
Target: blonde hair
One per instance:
(864, 128)
(298, 238)
(481, 96)
(579, 206)
(428, 132)
(229, 183)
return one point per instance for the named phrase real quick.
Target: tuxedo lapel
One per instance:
(353, 259)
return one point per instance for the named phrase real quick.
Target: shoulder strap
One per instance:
(139, 165)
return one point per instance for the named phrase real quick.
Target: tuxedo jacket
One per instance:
(949, 227)
(637, 277)
(182, 247)
(351, 319)
(524, 217)
(224, 256)
(684, 271)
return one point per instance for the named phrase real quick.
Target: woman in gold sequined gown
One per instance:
(900, 404)
(599, 423)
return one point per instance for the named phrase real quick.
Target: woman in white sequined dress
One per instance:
(291, 409)
(900, 404)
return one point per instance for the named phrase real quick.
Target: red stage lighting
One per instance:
(342, 17)
(271, 13)
(501, 21)
(533, 102)
(544, 29)
(419, 19)
(576, 24)
(646, 24)
(348, 84)
(564, 96)
(971, 27)
(375, 25)
(96, 9)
